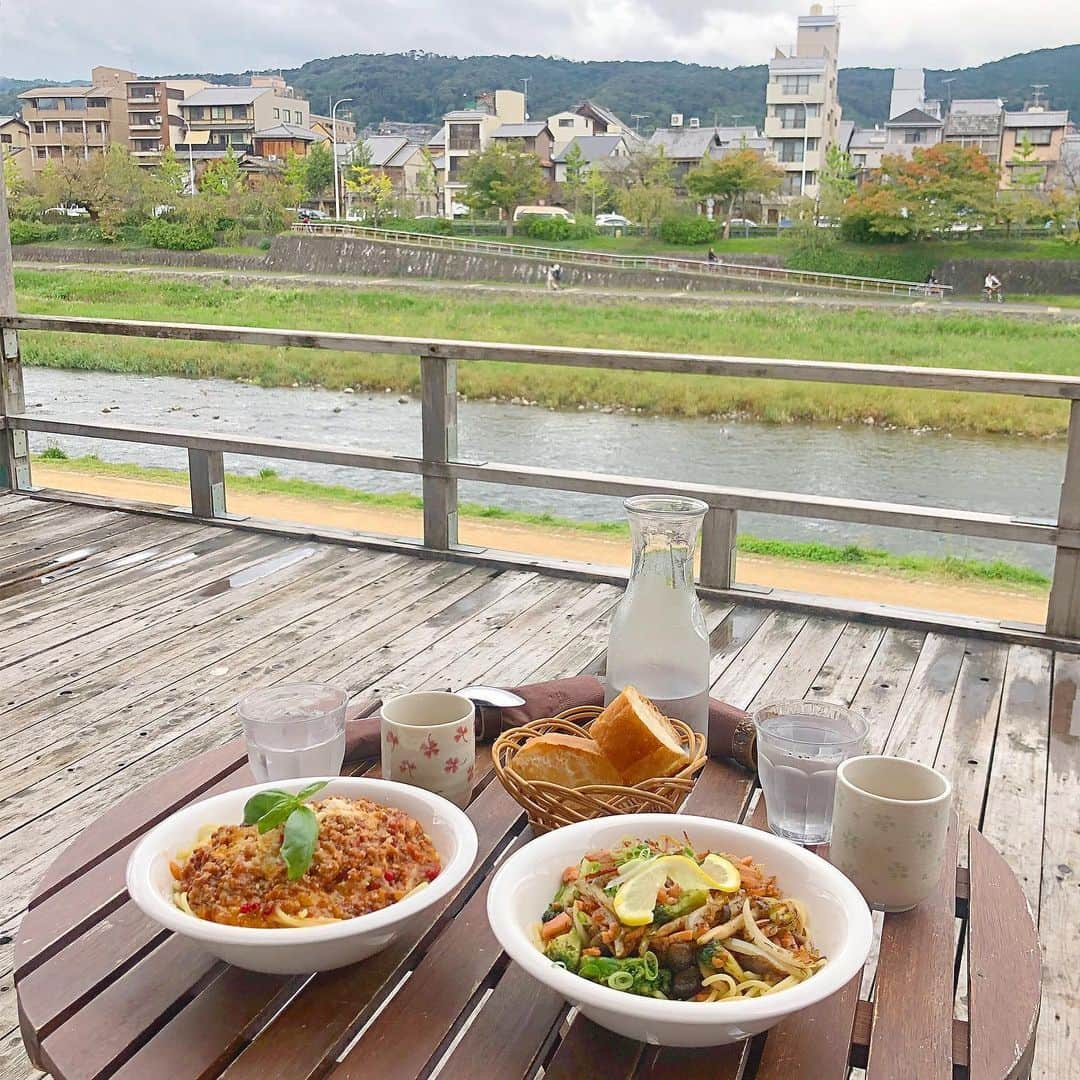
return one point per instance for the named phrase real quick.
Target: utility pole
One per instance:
(333, 125)
(637, 118)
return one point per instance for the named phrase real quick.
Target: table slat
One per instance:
(916, 965)
(1004, 968)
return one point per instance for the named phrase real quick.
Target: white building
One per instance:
(802, 104)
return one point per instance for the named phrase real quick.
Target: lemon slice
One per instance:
(725, 873)
(636, 897)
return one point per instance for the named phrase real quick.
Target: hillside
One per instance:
(422, 86)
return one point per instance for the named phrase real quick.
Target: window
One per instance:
(564, 122)
(41, 151)
(811, 144)
(46, 103)
(797, 84)
(1035, 136)
(239, 112)
(196, 112)
(791, 116)
(217, 112)
(792, 184)
(277, 114)
(464, 137)
(238, 138)
(299, 117)
(145, 146)
(858, 160)
(913, 136)
(39, 128)
(288, 116)
(788, 150)
(96, 103)
(75, 104)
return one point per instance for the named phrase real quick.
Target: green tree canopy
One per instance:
(503, 177)
(576, 172)
(731, 178)
(224, 176)
(646, 187)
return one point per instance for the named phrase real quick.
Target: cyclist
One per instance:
(992, 287)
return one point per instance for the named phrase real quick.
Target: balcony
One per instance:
(151, 99)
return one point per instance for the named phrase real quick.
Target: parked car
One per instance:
(742, 223)
(543, 211)
(312, 215)
(68, 210)
(612, 221)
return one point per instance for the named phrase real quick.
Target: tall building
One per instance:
(802, 114)
(77, 120)
(154, 120)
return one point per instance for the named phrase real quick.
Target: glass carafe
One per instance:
(658, 639)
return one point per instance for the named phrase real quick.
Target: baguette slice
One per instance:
(564, 759)
(638, 739)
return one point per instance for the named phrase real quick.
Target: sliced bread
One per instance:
(638, 739)
(564, 759)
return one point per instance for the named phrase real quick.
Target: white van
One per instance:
(543, 211)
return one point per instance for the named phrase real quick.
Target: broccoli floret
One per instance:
(713, 957)
(686, 903)
(639, 976)
(565, 950)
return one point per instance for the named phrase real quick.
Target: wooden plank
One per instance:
(1013, 816)
(1059, 901)
(847, 665)
(797, 669)
(885, 685)
(588, 1050)
(926, 378)
(1004, 968)
(719, 536)
(206, 482)
(1063, 609)
(748, 672)
(919, 1038)
(14, 450)
(896, 515)
(438, 418)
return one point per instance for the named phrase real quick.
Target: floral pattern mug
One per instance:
(890, 818)
(429, 740)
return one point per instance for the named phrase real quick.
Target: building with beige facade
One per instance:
(155, 123)
(15, 144)
(77, 120)
(220, 117)
(802, 113)
(1044, 130)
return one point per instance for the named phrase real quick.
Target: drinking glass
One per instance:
(294, 730)
(800, 744)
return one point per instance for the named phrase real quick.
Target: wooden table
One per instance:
(105, 992)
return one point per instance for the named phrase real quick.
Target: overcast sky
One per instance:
(62, 38)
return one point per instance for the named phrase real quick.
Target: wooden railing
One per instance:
(441, 469)
(744, 272)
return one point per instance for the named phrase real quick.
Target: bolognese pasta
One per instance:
(366, 857)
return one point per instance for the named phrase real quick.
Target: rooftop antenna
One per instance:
(947, 83)
(637, 118)
(735, 118)
(1037, 89)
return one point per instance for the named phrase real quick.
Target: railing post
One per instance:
(206, 477)
(1063, 610)
(438, 401)
(718, 537)
(14, 445)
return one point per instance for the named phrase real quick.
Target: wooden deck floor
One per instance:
(125, 641)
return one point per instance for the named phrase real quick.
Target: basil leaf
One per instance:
(260, 804)
(301, 835)
(310, 790)
(277, 814)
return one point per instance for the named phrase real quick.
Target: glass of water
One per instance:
(799, 746)
(294, 730)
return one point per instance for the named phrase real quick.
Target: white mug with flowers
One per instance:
(429, 740)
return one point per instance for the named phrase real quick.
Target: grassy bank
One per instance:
(972, 340)
(269, 483)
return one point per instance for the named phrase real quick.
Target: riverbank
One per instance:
(987, 590)
(976, 340)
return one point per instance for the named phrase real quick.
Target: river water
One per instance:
(1020, 477)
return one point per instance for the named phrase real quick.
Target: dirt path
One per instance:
(977, 599)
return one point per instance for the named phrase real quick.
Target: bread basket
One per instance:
(551, 805)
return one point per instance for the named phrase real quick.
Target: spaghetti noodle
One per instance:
(366, 858)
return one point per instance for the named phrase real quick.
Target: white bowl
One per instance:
(839, 924)
(299, 950)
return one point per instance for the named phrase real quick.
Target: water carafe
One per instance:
(658, 639)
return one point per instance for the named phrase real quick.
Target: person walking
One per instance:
(714, 259)
(552, 284)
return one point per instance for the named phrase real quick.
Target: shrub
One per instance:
(688, 229)
(53, 453)
(554, 229)
(898, 264)
(32, 232)
(177, 235)
(434, 226)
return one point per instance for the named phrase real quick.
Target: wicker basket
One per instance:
(550, 806)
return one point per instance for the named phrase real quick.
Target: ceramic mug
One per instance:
(890, 817)
(429, 740)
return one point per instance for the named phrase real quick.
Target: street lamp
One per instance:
(333, 126)
(191, 161)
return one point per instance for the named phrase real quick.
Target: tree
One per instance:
(732, 178)
(1028, 173)
(373, 189)
(13, 180)
(647, 194)
(576, 173)
(318, 171)
(117, 189)
(224, 176)
(427, 184)
(836, 182)
(598, 190)
(503, 178)
(173, 174)
(876, 213)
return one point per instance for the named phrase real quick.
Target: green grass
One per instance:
(962, 340)
(267, 482)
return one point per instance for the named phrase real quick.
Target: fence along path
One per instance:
(724, 270)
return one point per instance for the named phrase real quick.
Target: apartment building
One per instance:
(155, 123)
(802, 111)
(232, 116)
(976, 122)
(595, 150)
(323, 126)
(534, 138)
(1045, 130)
(15, 144)
(77, 120)
(685, 147)
(470, 131)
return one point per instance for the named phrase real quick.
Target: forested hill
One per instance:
(422, 86)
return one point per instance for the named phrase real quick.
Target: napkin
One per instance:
(731, 731)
